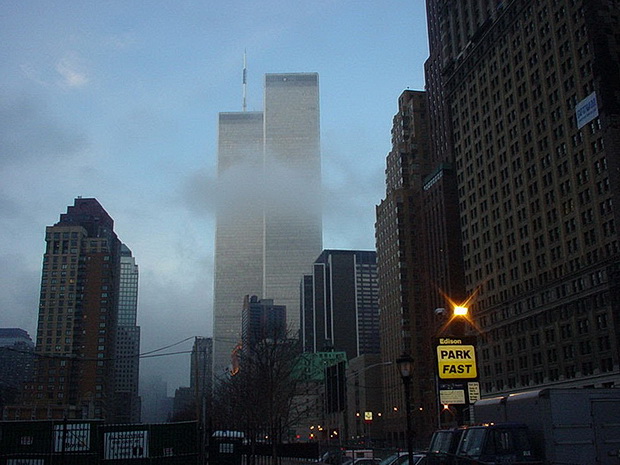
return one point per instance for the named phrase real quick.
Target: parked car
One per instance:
(443, 446)
(365, 461)
(401, 458)
(391, 459)
(418, 459)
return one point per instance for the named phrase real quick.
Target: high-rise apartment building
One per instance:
(75, 349)
(127, 360)
(269, 226)
(525, 107)
(340, 307)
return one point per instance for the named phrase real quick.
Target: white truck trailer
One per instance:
(567, 426)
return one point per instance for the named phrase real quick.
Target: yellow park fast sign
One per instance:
(456, 360)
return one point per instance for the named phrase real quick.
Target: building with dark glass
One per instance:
(340, 309)
(16, 362)
(127, 361)
(262, 320)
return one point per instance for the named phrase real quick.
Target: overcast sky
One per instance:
(118, 100)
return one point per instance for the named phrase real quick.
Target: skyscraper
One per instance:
(340, 305)
(261, 320)
(127, 361)
(524, 104)
(269, 224)
(405, 282)
(16, 362)
(293, 214)
(201, 374)
(78, 315)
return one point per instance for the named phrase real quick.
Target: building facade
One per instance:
(261, 320)
(293, 214)
(127, 361)
(365, 411)
(239, 229)
(530, 123)
(74, 374)
(16, 362)
(406, 286)
(269, 227)
(201, 375)
(340, 308)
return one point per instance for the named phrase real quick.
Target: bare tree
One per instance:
(259, 398)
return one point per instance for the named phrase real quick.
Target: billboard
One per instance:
(125, 445)
(72, 437)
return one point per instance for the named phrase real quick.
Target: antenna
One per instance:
(245, 84)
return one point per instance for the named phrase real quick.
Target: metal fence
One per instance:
(88, 442)
(91, 442)
(48, 443)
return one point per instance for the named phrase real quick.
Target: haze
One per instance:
(119, 101)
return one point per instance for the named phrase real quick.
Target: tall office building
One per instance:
(127, 361)
(261, 320)
(74, 373)
(340, 306)
(269, 226)
(16, 362)
(524, 105)
(201, 375)
(405, 281)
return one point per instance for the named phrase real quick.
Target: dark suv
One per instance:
(443, 446)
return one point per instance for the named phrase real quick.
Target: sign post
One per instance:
(457, 370)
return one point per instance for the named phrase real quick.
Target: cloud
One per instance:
(30, 131)
(18, 304)
(70, 69)
(351, 189)
(121, 41)
(33, 74)
(199, 192)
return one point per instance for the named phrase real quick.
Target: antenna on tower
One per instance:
(245, 84)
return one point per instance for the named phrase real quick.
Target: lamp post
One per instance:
(405, 365)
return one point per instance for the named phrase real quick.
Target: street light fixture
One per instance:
(460, 311)
(405, 366)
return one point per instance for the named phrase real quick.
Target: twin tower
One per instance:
(269, 217)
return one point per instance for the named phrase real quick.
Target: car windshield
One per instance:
(404, 460)
(441, 441)
(472, 442)
(389, 460)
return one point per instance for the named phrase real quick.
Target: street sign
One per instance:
(456, 359)
(453, 396)
(473, 389)
(586, 110)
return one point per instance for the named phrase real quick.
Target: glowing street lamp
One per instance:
(460, 311)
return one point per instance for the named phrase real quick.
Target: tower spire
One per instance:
(245, 73)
